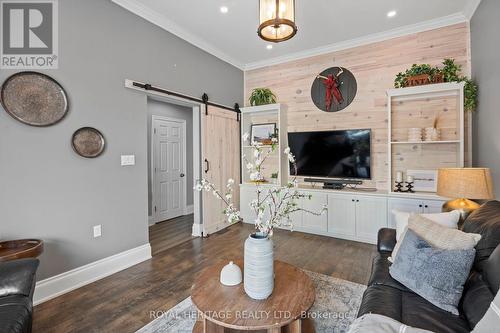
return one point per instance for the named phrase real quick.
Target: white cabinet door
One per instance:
(311, 222)
(403, 205)
(433, 206)
(371, 216)
(247, 194)
(341, 215)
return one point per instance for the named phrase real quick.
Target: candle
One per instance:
(409, 179)
(399, 177)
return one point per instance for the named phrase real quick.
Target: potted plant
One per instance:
(418, 75)
(262, 96)
(273, 208)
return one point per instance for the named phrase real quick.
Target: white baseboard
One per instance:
(151, 220)
(78, 277)
(189, 210)
(197, 230)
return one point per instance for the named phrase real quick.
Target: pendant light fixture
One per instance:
(277, 20)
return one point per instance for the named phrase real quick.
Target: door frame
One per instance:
(197, 109)
(154, 198)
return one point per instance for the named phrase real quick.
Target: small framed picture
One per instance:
(424, 180)
(263, 133)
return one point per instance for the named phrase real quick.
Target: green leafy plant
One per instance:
(415, 70)
(262, 96)
(452, 73)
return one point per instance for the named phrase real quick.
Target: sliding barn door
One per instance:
(221, 161)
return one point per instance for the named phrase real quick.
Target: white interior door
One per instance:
(169, 168)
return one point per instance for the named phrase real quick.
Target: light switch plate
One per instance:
(97, 231)
(128, 160)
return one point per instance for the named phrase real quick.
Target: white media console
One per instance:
(352, 214)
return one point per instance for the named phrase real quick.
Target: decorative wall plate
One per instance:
(34, 99)
(88, 142)
(334, 89)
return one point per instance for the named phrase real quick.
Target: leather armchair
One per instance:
(17, 285)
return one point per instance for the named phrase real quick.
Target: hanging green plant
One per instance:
(451, 72)
(262, 96)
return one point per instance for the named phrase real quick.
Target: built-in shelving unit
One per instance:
(277, 162)
(419, 107)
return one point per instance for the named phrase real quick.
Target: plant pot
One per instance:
(258, 273)
(418, 80)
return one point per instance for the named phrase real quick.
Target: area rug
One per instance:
(336, 306)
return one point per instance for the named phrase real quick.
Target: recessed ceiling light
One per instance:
(269, 47)
(392, 13)
(224, 9)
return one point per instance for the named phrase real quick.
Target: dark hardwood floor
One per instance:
(122, 302)
(167, 234)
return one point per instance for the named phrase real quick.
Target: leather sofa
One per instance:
(386, 296)
(17, 284)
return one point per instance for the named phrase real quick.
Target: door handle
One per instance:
(207, 166)
(182, 175)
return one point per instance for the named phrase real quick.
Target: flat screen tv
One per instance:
(332, 154)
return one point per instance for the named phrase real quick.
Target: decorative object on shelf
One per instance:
(409, 187)
(277, 20)
(399, 182)
(418, 75)
(423, 180)
(34, 99)
(414, 134)
(426, 74)
(432, 134)
(88, 142)
(274, 177)
(464, 183)
(259, 266)
(334, 89)
(263, 133)
(230, 275)
(273, 208)
(262, 96)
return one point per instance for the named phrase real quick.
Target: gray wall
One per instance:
(156, 108)
(485, 27)
(46, 190)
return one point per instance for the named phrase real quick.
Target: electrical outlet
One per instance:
(127, 160)
(97, 231)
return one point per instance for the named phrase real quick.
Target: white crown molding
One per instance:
(369, 39)
(471, 8)
(78, 277)
(139, 9)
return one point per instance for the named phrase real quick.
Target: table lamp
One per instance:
(464, 184)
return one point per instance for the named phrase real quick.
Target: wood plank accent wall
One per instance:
(375, 67)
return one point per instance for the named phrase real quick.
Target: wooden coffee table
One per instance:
(229, 309)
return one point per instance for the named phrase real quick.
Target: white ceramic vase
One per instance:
(258, 272)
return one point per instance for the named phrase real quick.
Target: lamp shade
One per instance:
(470, 183)
(277, 20)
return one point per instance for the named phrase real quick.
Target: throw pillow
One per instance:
(375, 323)
(449, 219)
(435, 274)
(439, 236)
(491, 320)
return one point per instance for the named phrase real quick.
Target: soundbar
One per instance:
(333, 184)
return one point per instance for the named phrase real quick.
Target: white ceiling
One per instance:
(324, 25)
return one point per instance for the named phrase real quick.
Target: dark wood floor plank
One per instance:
(122, 302)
